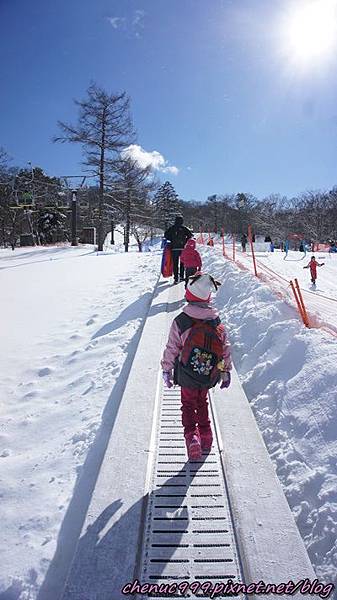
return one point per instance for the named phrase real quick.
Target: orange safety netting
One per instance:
(281, 287)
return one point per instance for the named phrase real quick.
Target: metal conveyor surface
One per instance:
(188, 531)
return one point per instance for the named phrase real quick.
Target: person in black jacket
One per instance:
(243, 242)
(178, 235)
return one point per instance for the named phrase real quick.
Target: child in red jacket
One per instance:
(313, 264)
(191, 259)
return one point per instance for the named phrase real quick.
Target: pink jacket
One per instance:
(176, 340)
(190, 257)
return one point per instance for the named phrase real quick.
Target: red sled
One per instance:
(167, 262)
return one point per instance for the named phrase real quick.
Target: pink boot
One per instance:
(206, 439)
(193, 446)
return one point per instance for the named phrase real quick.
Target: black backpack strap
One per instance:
(184, 322)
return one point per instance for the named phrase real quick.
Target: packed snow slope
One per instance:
(289, 374)
(71, 321)
(278, 269)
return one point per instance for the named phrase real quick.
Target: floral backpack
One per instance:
(203, 349)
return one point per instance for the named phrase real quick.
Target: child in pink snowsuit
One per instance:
(198, 332)
(191, 259)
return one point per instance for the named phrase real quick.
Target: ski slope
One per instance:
(72, 323)
(278, 269)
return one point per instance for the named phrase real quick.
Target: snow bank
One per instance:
(289, 374)
(147, 246)
(278, 269)
(71, 319)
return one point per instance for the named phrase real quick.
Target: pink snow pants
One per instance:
(194, 407)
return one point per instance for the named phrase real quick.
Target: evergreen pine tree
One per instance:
(51, 225)
(167, 204)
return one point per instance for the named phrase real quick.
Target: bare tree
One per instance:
(332, 214)
(4, 160)
(8, 217)
(103, 129)
(312, 212)
(130, 187)
(141, 233)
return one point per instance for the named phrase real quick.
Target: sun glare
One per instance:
(310, 31)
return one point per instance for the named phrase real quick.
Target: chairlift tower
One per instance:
(70, 185)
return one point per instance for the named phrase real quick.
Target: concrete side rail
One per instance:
(270, 545)
(107, 552)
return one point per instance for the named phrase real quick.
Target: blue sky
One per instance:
(211, 86)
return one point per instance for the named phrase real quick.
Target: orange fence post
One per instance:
(252, 247)
(304, 310)
(299, 305)
(201, 236)
(297, 301)
(233, 235)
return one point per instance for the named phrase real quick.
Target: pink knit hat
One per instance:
(191, 244)
(200, 286)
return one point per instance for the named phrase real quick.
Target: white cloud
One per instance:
(132, 25)
(173, 170)
(138, 22)
(138, 18)
(153, 159)
(116, 22)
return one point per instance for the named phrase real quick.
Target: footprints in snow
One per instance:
(76, 336)
(31, 395)
(59, 381)
(5, 453)
(84, 439)
(92, 320)
(45, 371)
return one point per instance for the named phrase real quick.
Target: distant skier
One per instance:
(243, 242)
(178, 235)
(191, 259)
(312, 265)
(197, 357)
(304, 247)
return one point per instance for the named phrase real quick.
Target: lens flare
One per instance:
(310, 31)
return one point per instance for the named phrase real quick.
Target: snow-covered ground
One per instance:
(278, 269)
(70, 324)
(70, 320)
(289, 374)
